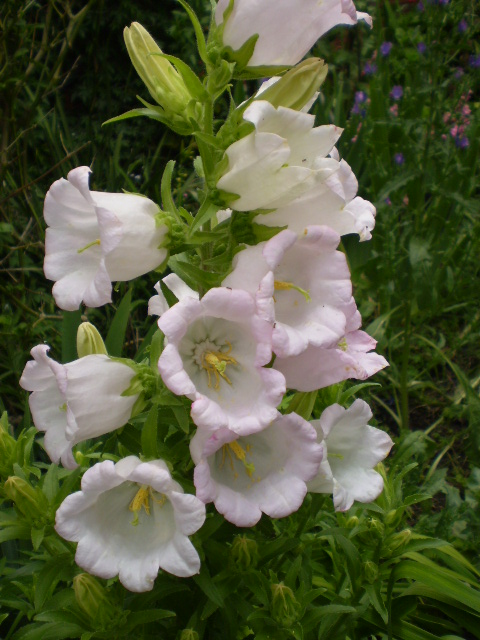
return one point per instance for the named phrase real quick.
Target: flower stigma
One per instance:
(216, 362)
(90, 244)
(142, 499)
(280, 285)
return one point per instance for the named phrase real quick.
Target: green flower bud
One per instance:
(244, 553)
(93, 599)
(352, 522)
(398, 540)
(164, 83)
(371, 571)
(393, 517)
(89, 341)
(188, 634)
(298, 86)
(376, 527)
(285, 607)
(8, 448)
(30, 501)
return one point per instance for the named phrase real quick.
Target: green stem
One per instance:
(404, 425)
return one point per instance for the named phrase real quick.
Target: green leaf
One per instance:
(209, 588)
(49, 631)
(116, 333)
(205, 213)
(150, 615)
(201, 44)
(192, 275)
(302, 404)
(166, 189)
(70, 323)
(374, 595)
(182, 418)
(149, 434)
(53, 571)
(37, 537)
(191, 80)
(348, 393)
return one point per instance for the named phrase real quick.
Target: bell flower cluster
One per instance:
(282, 320)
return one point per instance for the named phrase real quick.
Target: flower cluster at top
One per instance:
(264, 315)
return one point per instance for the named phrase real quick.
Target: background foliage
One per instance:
(63, 71)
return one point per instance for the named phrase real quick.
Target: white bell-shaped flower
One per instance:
(333, 203)
(216, 353)
(310, 289)
(76, 401)
(131, 519)
(282, 159)
(263, 472)
(287, 29)
(94, 239)
(352, 448)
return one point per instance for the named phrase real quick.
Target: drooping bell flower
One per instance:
(76, 401)
(287, 29)
(94, 239)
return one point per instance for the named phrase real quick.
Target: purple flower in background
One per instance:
(443, 2)
(388, 201)
(360, 97)
(474, 61)
(462, 142)
(358, 111)
(397, 92)
(370, 68)
(385, 48)
(458, 73)
(462, 26)
(399, 158)
(421, 48)
(420, 7)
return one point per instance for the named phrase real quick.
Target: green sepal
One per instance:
(197, 27)
(257, 73)
(192, 275)
(191, 80)
(263, 233)
(168, 203)
(241, 56)
(205, 213)
(154, 113)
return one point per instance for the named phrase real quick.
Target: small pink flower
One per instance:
(446, 117)
(394, 110)
(405, 201)
(454, 131)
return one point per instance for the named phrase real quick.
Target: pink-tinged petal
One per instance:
(80, 178)
(264, 471)
(170, 366)
(179, 288)
(157, 305)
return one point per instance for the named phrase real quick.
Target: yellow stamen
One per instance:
(142, 499)
(63, 407)
(280, 285)
(90, 244)
(240, 454)
(343, 344)
(216, 362)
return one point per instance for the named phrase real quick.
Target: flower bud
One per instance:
(371, 571)
(393, 517)
(352, 522)
(244, 553)
(7, 448)
(30, 501)
(398, 540)
(189, 634)
(89, 341)
(285, 607)
(92, 598)
(298, 86)
(376, 527)
(163, 82)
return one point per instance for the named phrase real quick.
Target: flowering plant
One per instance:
(238, 406)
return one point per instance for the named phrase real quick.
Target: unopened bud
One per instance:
(285, 607)
(92, 598)
(298, 86)
(89, 341)
(189, 634)
(398, 540)
(393, 517)
(352, 522)
(160, 77)
(244, 553)
(376, 526)
(371, 571)
(30, 501)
